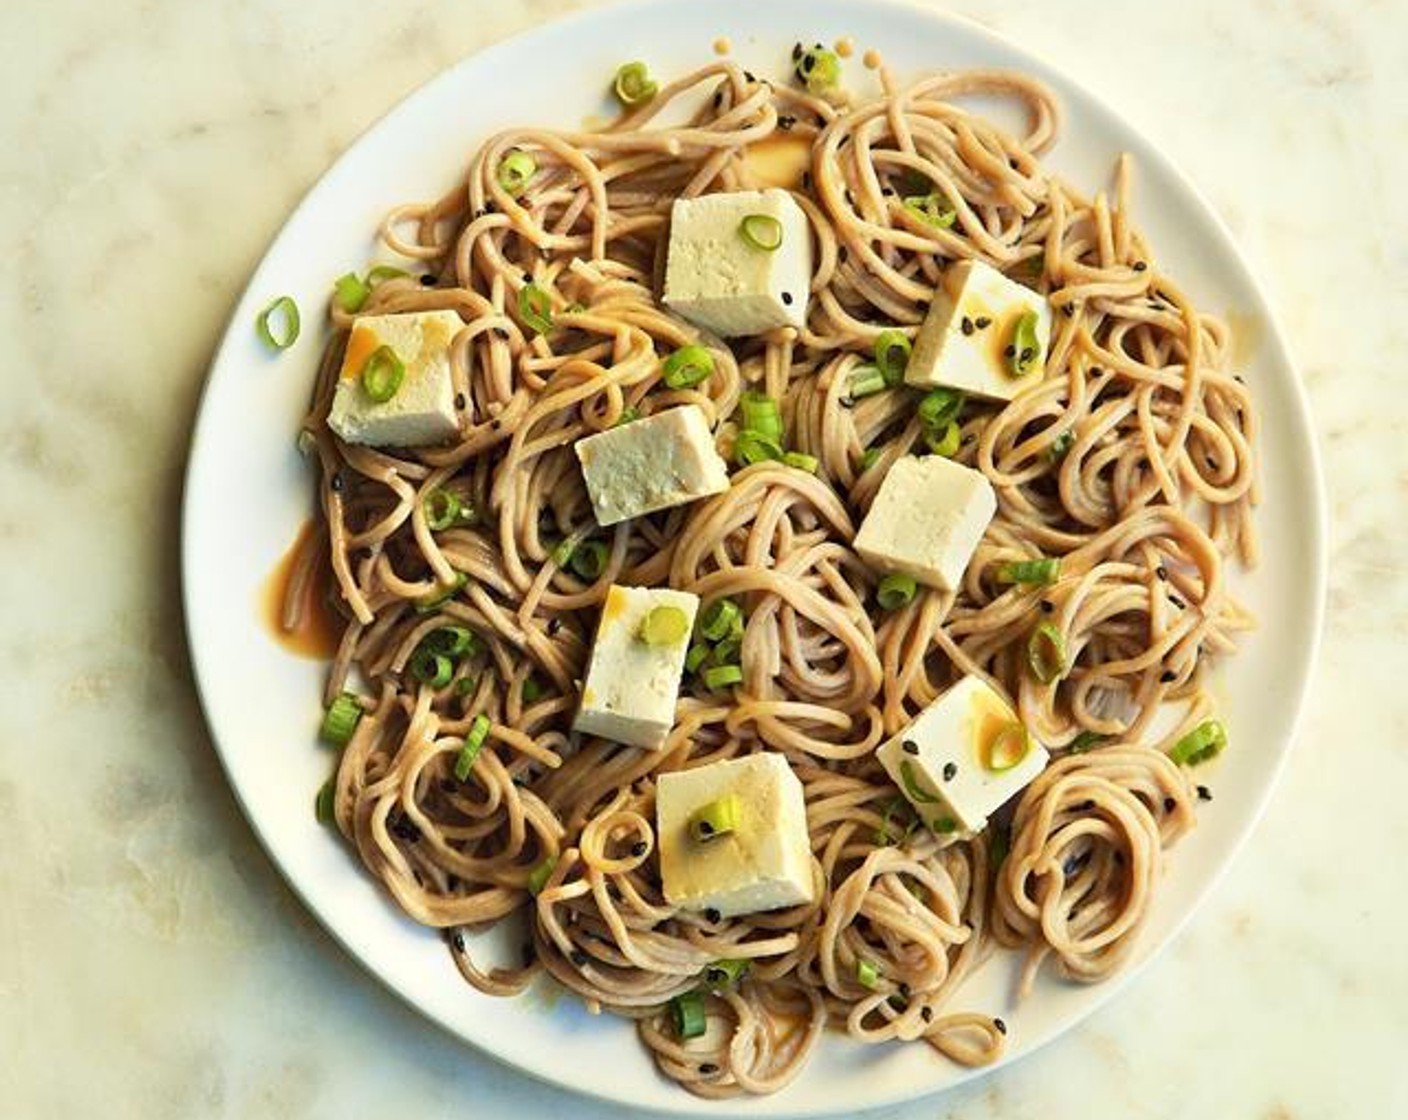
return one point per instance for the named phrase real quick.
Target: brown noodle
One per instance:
(1155, 490)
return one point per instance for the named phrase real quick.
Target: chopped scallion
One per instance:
(665, 625)
(726, 971)
(1024, 350)
(562, 552)
(913, 790)
(867, 973)
(633, 84)
(278, 324)
(629, 415)
(515, 170)
(532, 690)
(896, 590)
(451, 641)
(697, 655)
(722, 676)
(351, 292)
(753, 447)
(932, 209)
(1086, 740)
(762, 231)
(1046, 653)
(866, 381)
(944, 825)
(1043, 571)
(1206, 741)
(340, 720)
(1060, 446)
(801, 461)
(588, 560)
(539, 876)
(687, 1010)
(940, 407)
(687, 367)
(719, 619)
(325, 804)
(381, 273)
(430, 668)
(869, 457)
(729, 650)
(718, 818)
(535, 308)
(1006, 748)
(818, 69)
(442, 509)
(943, 441)
(761, 414)
(473, 744)
(382, 374)
(434, 599)
(892, 350)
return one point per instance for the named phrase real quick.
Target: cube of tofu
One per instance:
(631, 687)
(715, 277)
(926, 520)
(970, 325)
(423, 409)
(664, 460)
(953, 763)
(765, 863)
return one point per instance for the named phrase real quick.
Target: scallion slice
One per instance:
(932, 209)
(940, 407)
(753, 447)
(697, 655)
(278, 324)
(944, 441)
(896, 590)
(539, 876)
(535, 308)
(916, 793)
(340, 720)
(718, 818)
(687, 1010)
(633, 84)
(1006, 748)
(867, 973)
(589, 559)
(944, 825)
(325, 804)
(727, 971)
(442, 509)
(431, 668)
(431, 600)
(1206, 741)
(1046, 653)
(455, 642)
(719, 619)
(629, 415)
(665, 625)
(722, 676)
(687, 367)
(1023, 350)
(866, 381)
(762, 231)
(1086, 740)
(892, 350)
(382, 374)
(761, 414)
(1060, 446)
(473, 744)
(562, 552)
(801, 461)
(515, 170)
(1038, 572)
(532, 690)
(351, 292)
(869, 457)
(817, 68)
(381, 273)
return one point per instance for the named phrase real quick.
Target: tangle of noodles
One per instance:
(1152, 495)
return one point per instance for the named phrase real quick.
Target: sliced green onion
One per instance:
(466, 685)
(340, 720)
(539, 876)
(940, 407)
(473, 744)
(869, 458)
(325, 804)
(867, 973)
(1046, 653)
(278, 324)
(916, 793)
(1023, 351)
(726, 971)
(817, 68)
(1001, 844)
(896, 590)
(629, 415)
(722, 676)
(442, 509)
(932, 209)
(697, 655)
(761, 414)
(944, 825)
(718, 818)
(719, 618)
(917, 889)
(944, 441)
(1043, 571)
(533, 690)
(515, 169)
(535, 308)
(451, 641)
(762, 231)
(687, 367)
(576, 307)
(588, 560)
(1007, 748)
(383, 272)
(729, 650)
(433, 599)
(1060, 446)
(866, 381)
(893, 807)
(665, 625)
(430, 668)
(753, 447)
(1085, 741)
(562, 552)
(351, 292)
(633, 84)
(801, 461)
(1206, 741)
(892, 350)
(687, 1009)
(382, 374)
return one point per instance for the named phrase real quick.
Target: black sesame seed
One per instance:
(887, 191)
(1211, 462)
(1161, 572)
(1096, 371)
(335, 482)
(1009, 352)
(909, 746)
(847, 402)
(785, 123)
(502, 332)
(1239, 378)
(808, 61)
(705, 828)
(1170, 804)
(495, 424)
(841, 143)
(1069, 310)
(554, 625)
(904, 990)
(1204, 794)
(787, 298)
(1177, 602)
(639, 848)
(457, 941)
(1027, 354)
(1000, 1026)
(898, 1002)
(966, 326)
(1047, 606)
(481, 212)
(490, 207)
(982, 322)
(796, 51)
(1140, 266)
(950, 771)
(428, 280)
(708, 1069)
(1085, 806)
(578, 957)
(1168, 676)
(748, 76)
(712, 915)
(927, 1014)
(460, 402)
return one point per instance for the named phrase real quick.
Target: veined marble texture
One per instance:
(152, 961)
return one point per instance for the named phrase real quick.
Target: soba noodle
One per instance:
(1151, 497)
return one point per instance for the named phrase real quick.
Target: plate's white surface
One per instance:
(247, 492)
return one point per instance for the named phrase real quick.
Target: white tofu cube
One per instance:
(423, 410)
(970, 325)
(716, 278)
(664, 460)
(926, 520)
(631, 687)
(765, 863)
(944, 761)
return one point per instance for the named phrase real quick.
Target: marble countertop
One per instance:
(152, 961)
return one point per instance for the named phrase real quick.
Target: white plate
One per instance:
(247, 492)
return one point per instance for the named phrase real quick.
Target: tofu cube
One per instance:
(664, 460)
(631, 687)
(765, 863)
(943, 762)
(926, 520)
(971, 322)
(423, 409)
(717, 279)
